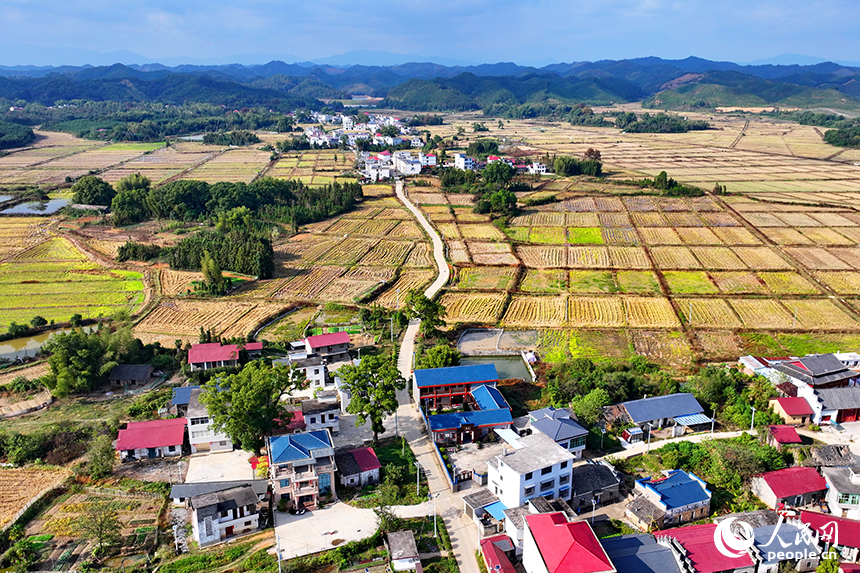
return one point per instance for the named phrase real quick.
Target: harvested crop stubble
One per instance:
(457, 252)
(608, 204)
(589, 257)
(662, 347)
(736, 236)
(825, 236)
(345, 226)
(845, 282)
(582, 219)
(673, 204)
(393, 213)
(387, 253)
(473, 307)
(763, 220)
(486, 278)
(719, 220)
(708, 313)
(762, 313)
(481, 231)
(788, 283)
(704, 204)
(649, 219)
(851, 256)
(595, 311)
(55, 249)
(307, 284)
(582, 204)
(448, 230)
(542, 257)
(852, 233)
(650, 312)
(428, 198)
(540, 218)
(614, 220)
(375, 227)
(683, 220)
(255, 318)
(797, 220)
(621, 236)
(463, 199)
(659, 236)
(441, 217)
(377, 190)
(491, 253)
(833, 220)
(820, 314)
(552, 280)
(347, 252)
(535, 311)
(109, 249)
(466, 216)
(640, 204)
(762, 258)
(188, 316)
(719, 344)
(818, 259)
(698, 236)
(739, 283)
(420, 256)
(406, 230)
(628, 257)
(674, 258)
(305, 247)
(720, 258)
(18, 486)
(177, 282)
(408, 280)
(784, 236)
(689, 282)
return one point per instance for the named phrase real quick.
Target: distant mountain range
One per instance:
(690, 83)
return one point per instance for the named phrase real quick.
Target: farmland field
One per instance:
(183, 318)
(18, 486)
(472, 307)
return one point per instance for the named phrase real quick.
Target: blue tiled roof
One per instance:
(692, 420)
(181, 396)
(639, 554)
(788, 539)
(679, 489)
(556, 423)
(489, 398)
(659, 407)
(497, 510)
(455, 375)
(295, 447)
(439, 422)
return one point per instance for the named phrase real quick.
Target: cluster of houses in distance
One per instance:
(532, 489)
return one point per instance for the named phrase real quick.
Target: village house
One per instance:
(496, 552)
(677, 498)
(358, 468)
(214, 355)
(559, 424)
(448, 387)
(321, 415)
(486, 411)
(180, 493)
(406, 164)
(125, 375)
(773, 542)
(427, 160)
(694, 548)
(840, 533)
(486, 511)
(326, 345)
(201, 434)
(315, 370)
(794, 411)
(679, 410)
(843, 491)
(181, 398)
(817, 371)
(780, 436)
(221, 515)
(402, 550)
(153, 439)
(515, 517)
(553, 545)
(795, 487)
(831, 405)
(537, 168)
(463, 162)
(637, 553)
(302, 467)
(594, 481)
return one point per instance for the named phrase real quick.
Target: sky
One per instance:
(76, 32)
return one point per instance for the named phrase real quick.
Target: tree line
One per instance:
(237, 138)
(658, 123)
(15, 135)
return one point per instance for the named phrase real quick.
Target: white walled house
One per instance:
(407, 165)
(315, 369)
(843, 491)
(558, 424)
(358, 468)
(221, 515)
(428, 160)
(533, 466)
(321, 415)
(463, 162)
(537, 169)
(153, 439)
(200, 433)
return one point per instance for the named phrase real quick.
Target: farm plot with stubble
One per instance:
(473, 307)
(183, 318)
(18, 486)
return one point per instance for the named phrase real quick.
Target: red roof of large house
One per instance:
(795, 406)
(366, 459)
(784, 434)
(794, 481)
(496, 559)
(153, 434)
(567, 547)
(321, 340)
(212, 352)
(698, 541)
(847, 531)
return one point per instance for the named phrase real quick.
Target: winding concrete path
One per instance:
(438, 245)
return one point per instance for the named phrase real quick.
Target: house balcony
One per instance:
(306, 488)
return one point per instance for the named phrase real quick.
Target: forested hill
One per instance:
(500, 89)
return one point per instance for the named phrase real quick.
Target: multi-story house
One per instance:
(221, 515)
(551, 544)
(531, 466)
(843, 491)
(463, 162)
(449, 387)
(315, 369)
(321, 415)
(558, 424)
(327, 344)
(677, 498)
(201, 435)
(302, 467)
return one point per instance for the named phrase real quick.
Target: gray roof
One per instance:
(402, 545)
(538, 451)
(839, 479)
(544, 505)
(639, 554)
(658, 407)
(195, 408)
(839, 398)
(832, 456)
(310, 361)
(521, 423)
(517, 515)
(757, 518)
(788, 539)
(644, 510)
(594, 477)
(186, 490)
(130, 372)
(558, 424)
(817, 369)
(226, 499)
(480, 498)
(318, 406)
(346, 463)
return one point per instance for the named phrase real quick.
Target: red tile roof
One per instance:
(698, 541)
(847, 530)
(568, 547)
(366, 459)
(784, 434)
(212, 352)
(297, 422)
(495, 558)
(330, 339)
(794, 481)
(253, 346)
(795, 406)
(154, 434)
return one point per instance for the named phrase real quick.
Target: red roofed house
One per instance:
(694, 545)
(794, 411)
(779, 436)
(495, 551)
(358, 468)
(214, 355)
(552, 545)
(842, 533)
(794, 487)
(155, 439)
(326, 344)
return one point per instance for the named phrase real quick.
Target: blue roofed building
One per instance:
(663, 411)
(181, 398)
(465, 427)
(677, 498)
(302, 467)
(558, 424)
(640, 554)
(448, 387)
(775, 544)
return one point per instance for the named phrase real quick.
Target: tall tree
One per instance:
(428, 311)
(247, 405)
(102, 457)
(101, 524)
(92, 190)
(372, 386)
(440, 356)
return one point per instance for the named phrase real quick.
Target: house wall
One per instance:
(516, 536)
(789, 420)
(850, 511)
(760, 488)
(143, 453)
(361, 479)
(204, 439)
(606, 495)
(327, 420)
(532, 559)
(513, 489)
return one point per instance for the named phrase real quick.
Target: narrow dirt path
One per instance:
(741, 134)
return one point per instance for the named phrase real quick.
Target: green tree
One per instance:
(213, 281)
(37, 321)
(440, 356)
(829, 563)
(92, 190)
(429, 312)
(102, 457)
(247, 405)
(101, 524)
(589, 408)
(372, 386)
(133, 182)
(498, 173)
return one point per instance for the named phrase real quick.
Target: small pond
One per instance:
(30, 345)
(4, 198)
(37, 207)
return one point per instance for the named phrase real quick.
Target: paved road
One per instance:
(643, 447)
(438, 245)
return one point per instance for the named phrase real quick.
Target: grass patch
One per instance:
(592, 282)
(523, 397)
(639, 282)
(553, 280)
(585, 236)
(690, 282)
(518, 233)
(554, 235)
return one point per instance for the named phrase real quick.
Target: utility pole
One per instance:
(593, 509)
(278, 549)
(650, 427)
(392, 328)
(417, 476)
(752, 424)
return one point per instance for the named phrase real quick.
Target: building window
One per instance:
(171, 448)
(198, 421)
(331, 416)
(849, 498)
(325, 483)
(547, 485)
(285, 483)
(564, 493)
(222, 443)
(247, 523)
(563, 464)
(529, 490)
(564, 479)
(546, 471)
(313, 420)
(316, 370)
(529, 475)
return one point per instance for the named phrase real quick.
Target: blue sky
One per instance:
(532, 31)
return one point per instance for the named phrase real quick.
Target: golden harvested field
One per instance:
(177, 282)
(841, 282)
(19, 233)
(472, 307)
(233, 165)
(18, 486)
(535, 311)
(707, 313)
(486, 278)
(408, 280)
(596, 312)
(183, 318)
